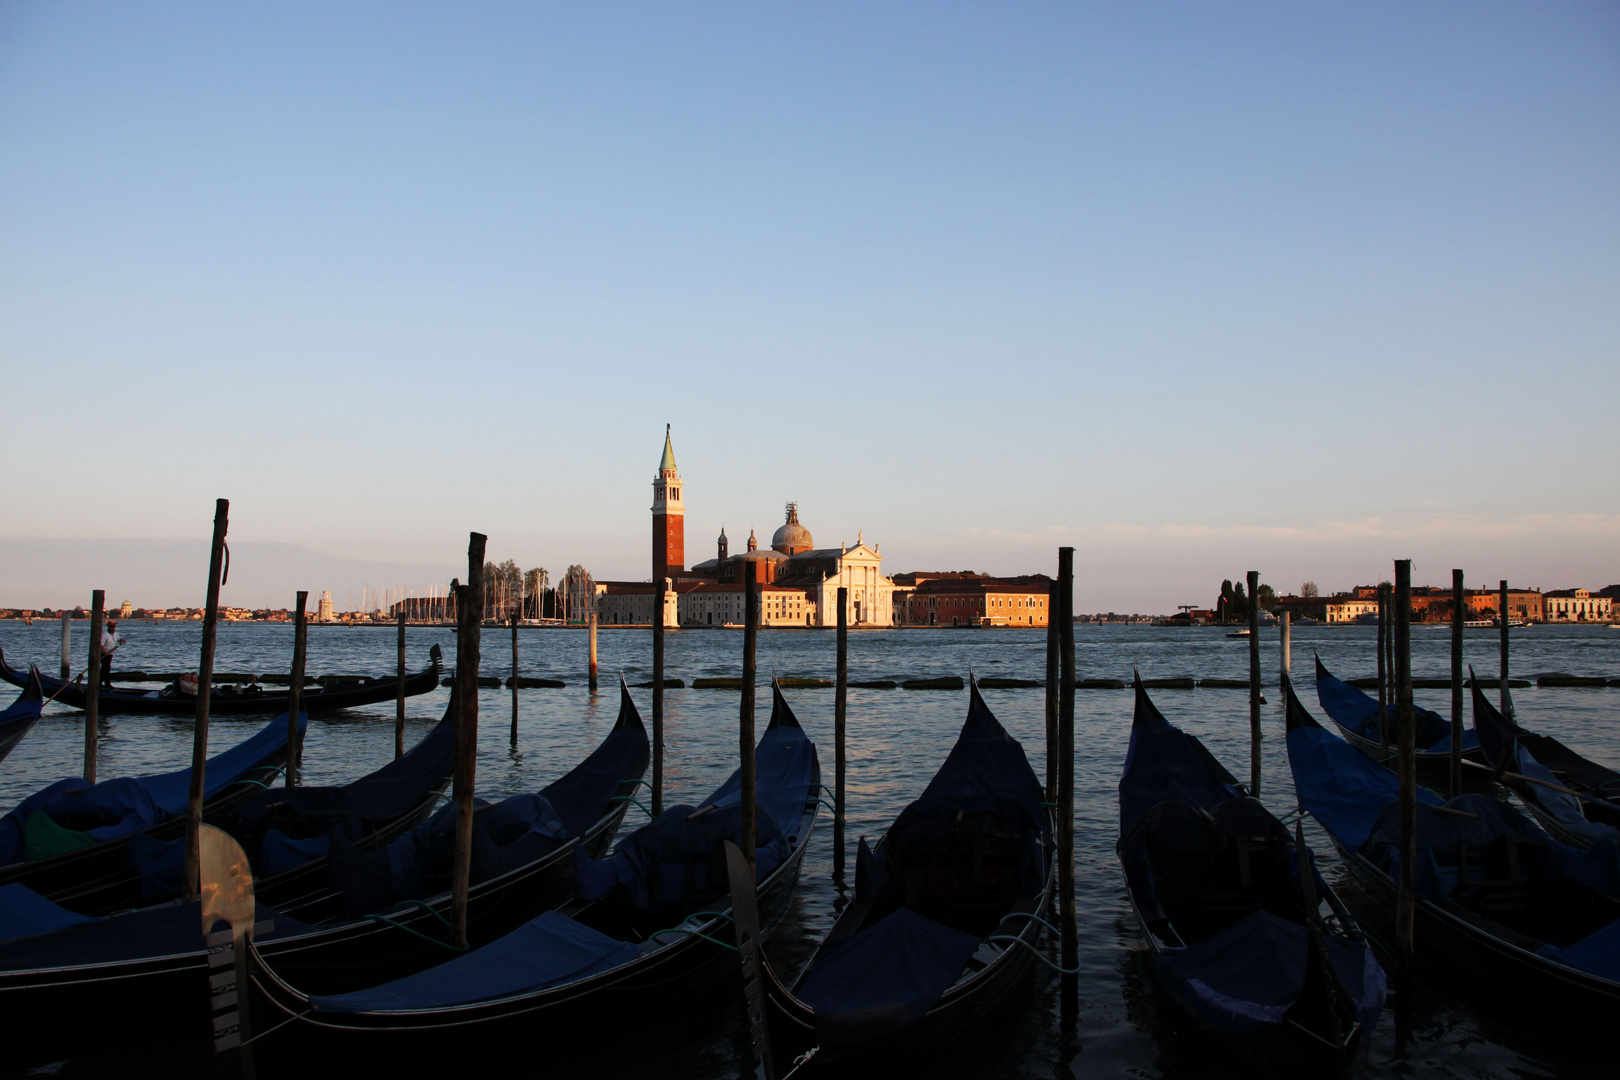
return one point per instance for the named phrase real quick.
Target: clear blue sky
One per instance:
(1194, 288)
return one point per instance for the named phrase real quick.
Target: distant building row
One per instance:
(1433, 604)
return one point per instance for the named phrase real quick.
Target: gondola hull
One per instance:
(150, 703)
(19, 719)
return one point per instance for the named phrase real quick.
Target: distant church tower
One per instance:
(669, 517)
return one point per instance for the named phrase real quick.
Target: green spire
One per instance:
(669, 452)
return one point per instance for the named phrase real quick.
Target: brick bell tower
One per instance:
(668, 517)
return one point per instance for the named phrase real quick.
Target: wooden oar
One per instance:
(1543, 783)
(61, 688)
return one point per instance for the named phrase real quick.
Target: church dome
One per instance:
(792, 537)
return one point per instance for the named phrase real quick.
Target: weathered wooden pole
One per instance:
(1070, 988)
(399, 690)
(745, 713)
(67, 645)
(1287, 643)
(92, 698)
(205, 684)
(1053, 604)
(470, 612)
(840, 702)
(1502, 687)
(295, 690)
(1459, 612)
(514, 677)
(1255, 734)
(658, 699)
(1406, 726)
(590, 621)
(1383, 671)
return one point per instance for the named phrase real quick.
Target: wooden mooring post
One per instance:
(1053, 663)
(1070, 986)
(515, 677)
(590, 621)
(1383, 671)
(745, 713)
(1502, 695)
(67, 645)
(1255, 732)
(469, 611)
(295, 690)
(1406, 728)
(840, 703)
(1287, 645)
(205, 684)
(658, 698)
(1459, 612)
(92, 697)
(399, 691)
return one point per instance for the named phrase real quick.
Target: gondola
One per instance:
(947, 911)
(287, 832)
(141, 979)
(1503, 911)
(1235, 932)
(71, 835)
(1355, 713)
(1587, 811)
(18, 719)
(234, 700)
(647, 932)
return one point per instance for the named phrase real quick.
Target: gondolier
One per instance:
(109, 645)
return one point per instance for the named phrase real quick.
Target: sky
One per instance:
(1193, 288)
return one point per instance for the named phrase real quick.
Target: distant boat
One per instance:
(1238, 633)
(1306, 620)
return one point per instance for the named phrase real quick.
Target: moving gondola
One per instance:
(73, 835)
(234, 700)
(947, 911)
(1503, 911)
(18, 719)
(1235, 931)
(1584, 812)
(1355, 713)
(141, 979)
(647, 932)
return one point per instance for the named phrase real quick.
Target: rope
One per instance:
(1033, 916)
(424, 906)
(632, 799)
(1038, 954)
(693, 933)
(278, 1027)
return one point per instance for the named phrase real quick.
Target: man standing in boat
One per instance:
(109, 645)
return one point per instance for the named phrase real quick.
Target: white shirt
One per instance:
(109, 642)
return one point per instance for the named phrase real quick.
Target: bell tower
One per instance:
(668, 516)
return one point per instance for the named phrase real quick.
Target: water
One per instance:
(897, 739)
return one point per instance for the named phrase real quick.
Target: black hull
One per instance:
(313, 700)
(13, 730)
(1436, 763)
(1454, 951)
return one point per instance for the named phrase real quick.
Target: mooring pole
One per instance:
(1287, 644)
(658, 699)
(840, 702)
(1458, 614)
(1406, 727)
(67, 645)
(295, 690)
(515, 677)
(1070, 988)
(1502, 687)
(205, 684)
(745, 713)
(469, 610)
(590, 626)
(1383, 671)
(92, 698)
(399, 690)
(1255, 733)
(1053, 616)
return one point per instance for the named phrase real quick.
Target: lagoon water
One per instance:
(897, 739)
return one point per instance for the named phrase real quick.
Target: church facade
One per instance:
(798, 582)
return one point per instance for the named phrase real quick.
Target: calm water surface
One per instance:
(897, 739)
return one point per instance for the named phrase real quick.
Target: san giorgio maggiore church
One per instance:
(798, 582)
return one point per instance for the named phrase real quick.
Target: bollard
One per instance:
(205, 684)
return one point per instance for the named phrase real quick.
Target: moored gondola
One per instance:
(141, 979)
(1355, 713)
(647, 932)
(19, 717)
(947, 912)
(1504, 912)
(1577, 801)
(228, 700)
(1230, 906)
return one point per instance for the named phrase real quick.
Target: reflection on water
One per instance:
(896, 741)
